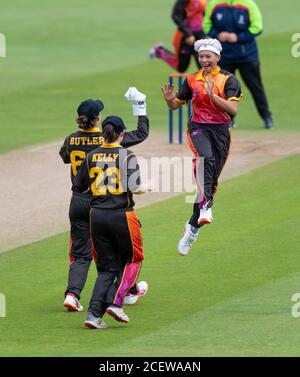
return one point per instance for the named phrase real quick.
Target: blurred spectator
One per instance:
(236, 23)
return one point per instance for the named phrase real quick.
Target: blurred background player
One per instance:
(215, 94)
(111, 173)
(74, 150)
(188, 16)
(236, 24)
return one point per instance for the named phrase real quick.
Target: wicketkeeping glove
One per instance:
(138, 101)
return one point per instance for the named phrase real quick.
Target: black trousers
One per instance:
(81, 248)
(80, 243)
(186, 51)
(117, 240)
(250, 73)
(210, 145)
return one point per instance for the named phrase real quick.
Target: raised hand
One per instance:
(209, 87)
(138, 101)
(168, 93)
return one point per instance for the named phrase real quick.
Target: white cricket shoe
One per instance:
(142, 288)
(94, 322)
(205, 216)
(186, 242)
(72, 303)
(118, 314)
(153, 52)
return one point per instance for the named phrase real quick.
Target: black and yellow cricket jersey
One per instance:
(78, 144)
(110, 173)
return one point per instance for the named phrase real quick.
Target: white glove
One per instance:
(138, 101)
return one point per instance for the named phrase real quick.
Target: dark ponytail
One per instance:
(109, 134)
(85, 123)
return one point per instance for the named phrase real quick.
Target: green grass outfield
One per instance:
(62, 51)
(230, 296)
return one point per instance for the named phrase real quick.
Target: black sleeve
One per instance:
(185, 93)
(179, 16)
(64, 153)
(131, 179)
(233, 89)
(81, 181)
(140, 134)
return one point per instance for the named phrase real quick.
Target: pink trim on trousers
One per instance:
(167, 57)
(130, 275)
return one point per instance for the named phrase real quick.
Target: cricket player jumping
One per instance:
(215, 94)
